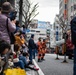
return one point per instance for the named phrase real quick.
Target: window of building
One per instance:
(74, 6)
(60, 4)
(38, 31)
(71, 17)
(32, 30)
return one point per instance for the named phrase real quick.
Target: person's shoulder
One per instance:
(3, 16)
(30, 39)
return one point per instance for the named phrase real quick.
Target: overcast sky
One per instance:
(47, 9)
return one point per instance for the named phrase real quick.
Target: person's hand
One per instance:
(13, 21)
(14, 53)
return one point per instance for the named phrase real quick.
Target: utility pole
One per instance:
(65, 20)
(20, 11)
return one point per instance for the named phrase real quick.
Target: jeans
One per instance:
(74, 61)
(23, 59)
(19, 64)
(36, 52)
(32, 54)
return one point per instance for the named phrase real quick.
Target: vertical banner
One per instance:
(65, 1)
(65, 9)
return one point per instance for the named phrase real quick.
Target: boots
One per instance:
(39, 60)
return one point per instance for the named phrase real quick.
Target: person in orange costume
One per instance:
(39, 43)
(43, 49)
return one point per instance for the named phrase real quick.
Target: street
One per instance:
(55, 67)
(36, 27)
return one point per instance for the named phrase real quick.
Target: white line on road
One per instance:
(39, 71)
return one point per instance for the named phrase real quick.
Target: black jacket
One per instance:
(73, 30)
(31, 44)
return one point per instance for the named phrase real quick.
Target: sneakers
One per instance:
(35, 68)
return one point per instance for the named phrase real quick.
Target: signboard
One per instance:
(43, 24)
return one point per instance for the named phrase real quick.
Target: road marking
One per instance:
(39, 71)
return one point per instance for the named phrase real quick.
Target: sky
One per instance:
(47, 10)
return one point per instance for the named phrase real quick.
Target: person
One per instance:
(5, 10)
(18, 60)
(17, 26)
(24, 30)
(43, 49)
(73, 36)
(39, 43)
(20, 39)
(4, 49)
(26, 55)
(31, 46)
(23, 61)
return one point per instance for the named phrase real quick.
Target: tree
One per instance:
(63, 24)
(30, 14)
(27, 11)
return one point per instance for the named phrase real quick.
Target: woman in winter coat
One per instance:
(6, 9)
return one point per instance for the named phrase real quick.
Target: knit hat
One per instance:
(7, 7)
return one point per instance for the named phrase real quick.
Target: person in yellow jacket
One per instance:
(20, 41)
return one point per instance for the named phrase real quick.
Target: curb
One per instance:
(39, 71)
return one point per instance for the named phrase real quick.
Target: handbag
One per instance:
(11, 35)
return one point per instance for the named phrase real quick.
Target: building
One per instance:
(34, 24)
(61, 8)
(55, 32)
(57, 29)
(52, 36)
(67, 9)
(38, 33)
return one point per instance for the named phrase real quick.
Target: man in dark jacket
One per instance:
(32, 47)
(73, 34)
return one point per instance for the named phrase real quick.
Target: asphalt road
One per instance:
(55, 67)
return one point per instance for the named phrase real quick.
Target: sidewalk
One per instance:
(32, 72)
